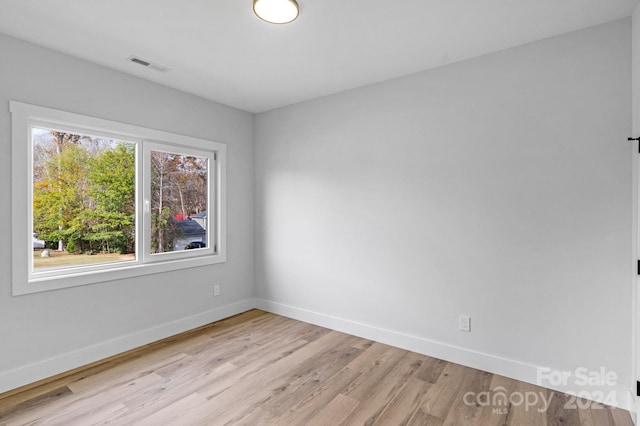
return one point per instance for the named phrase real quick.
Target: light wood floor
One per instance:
(262, 369)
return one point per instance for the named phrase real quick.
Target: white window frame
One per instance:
(211, 246)
(25, 281)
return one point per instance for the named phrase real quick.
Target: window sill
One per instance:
(122, 271)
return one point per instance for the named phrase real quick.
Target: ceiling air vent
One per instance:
(147, 64)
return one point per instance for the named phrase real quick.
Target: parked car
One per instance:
(37, 244)
(195, 245)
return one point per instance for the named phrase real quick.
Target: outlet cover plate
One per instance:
(464, 323)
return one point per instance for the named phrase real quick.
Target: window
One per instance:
(104, 200)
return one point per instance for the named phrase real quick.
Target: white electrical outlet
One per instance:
(216, 290)
(464, 323)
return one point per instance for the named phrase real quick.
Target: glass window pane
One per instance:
(83, 200)
(179, 188)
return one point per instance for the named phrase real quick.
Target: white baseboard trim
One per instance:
(31, 373)
(618, 396)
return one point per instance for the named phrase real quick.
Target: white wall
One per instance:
(497, 187)
(42, 334)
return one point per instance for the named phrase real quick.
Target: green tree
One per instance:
(111, 220)
(84, 192)
(59, 198)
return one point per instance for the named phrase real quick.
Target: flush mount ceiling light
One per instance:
(276, 11)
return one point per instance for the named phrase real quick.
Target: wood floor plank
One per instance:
(557, 413)
(420, 418)
(235, 394)
(381, 394)
(314, 402)
(431, 369)
(597, 414)
(532, 414)
(241, 335)
(263, 369)
(181, 412)
(230, 325)
(308, 378)
(334, 413)
(29, 405)
(252, 371)
(155, 398)
(477, 384)
(407, 402)
(78, 406)
(290, 336)
(293, 371)
(364, 386)
(442, 395)
(124, 373)
(494, 410)
(620, 417)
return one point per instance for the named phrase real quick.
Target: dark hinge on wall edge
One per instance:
(637, 388)
(638, 267)
(635, 139)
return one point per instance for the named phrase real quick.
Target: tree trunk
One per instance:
(58, 153)
(160, 227)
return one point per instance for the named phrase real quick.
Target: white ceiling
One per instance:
(219, 50)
